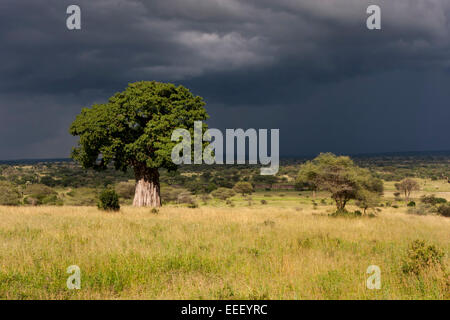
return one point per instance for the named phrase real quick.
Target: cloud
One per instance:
(257, 56)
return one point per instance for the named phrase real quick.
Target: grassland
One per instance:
(286, 249)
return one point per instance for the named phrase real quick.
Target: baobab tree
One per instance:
(133, 129)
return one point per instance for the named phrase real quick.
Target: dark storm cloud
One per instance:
(310, 68)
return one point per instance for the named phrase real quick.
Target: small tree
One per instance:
(367, 199)
(223, 193)
(108, 200)
(339, 176)
(243, 188)
(406, 186)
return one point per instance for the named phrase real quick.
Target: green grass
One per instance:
(282, 250)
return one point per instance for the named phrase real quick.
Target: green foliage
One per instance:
(432, 199)
(367, 199)
(444, 210)
(422, 256)
(108, 200)
(243, 188)
(125, 189)
(170, 194)
(48, 181)
(40, 194)
(341, 177)
(9, 195)
(223, 193)
(411, 204)
(134, 127)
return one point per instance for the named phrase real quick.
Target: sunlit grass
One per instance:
(258, 252)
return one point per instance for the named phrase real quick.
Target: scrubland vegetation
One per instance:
(220, 236)
(259, 252)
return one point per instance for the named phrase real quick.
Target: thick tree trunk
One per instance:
(147, 192)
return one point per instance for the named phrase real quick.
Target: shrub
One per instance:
(345, 213)
(263, 201)
(108, 200)
(422, 256)
(444, 210)
(9, 195)
(125, 189)
(243, 188)
(411, 204)
(431, 199)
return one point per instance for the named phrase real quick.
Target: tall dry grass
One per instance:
(258, 252)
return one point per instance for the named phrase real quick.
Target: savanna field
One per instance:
(286, 250)
(209, 242)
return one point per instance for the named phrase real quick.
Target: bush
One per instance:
(9, 195)
(223, 193)
(422, 256)
(444, 210)
(243, 188)
(109, 200)
(125, 189)
(431, 199)
(345, 213)
(411, 204)
(263, 201)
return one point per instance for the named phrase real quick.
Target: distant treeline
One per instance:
(206, 178)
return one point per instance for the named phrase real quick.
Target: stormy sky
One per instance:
(308, 67)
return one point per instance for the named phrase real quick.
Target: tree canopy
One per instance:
(243, 188)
